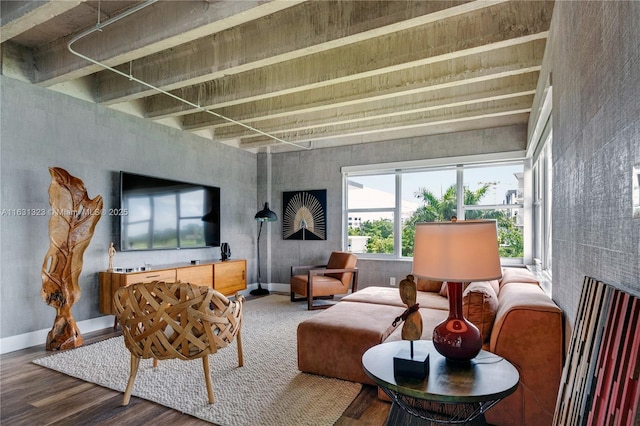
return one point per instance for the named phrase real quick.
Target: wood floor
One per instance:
(34, 395)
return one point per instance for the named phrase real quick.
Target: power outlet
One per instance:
(392, 281)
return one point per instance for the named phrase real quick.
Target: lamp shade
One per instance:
(266, 215)
(461, 251)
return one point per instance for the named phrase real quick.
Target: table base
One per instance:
(418, 412)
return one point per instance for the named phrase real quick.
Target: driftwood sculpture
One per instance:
(73, 219)
(412, 327)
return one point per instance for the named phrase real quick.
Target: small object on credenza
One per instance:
(225, 251)
(112, 252)
(195, 262)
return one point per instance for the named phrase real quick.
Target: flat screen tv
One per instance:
(166, 214)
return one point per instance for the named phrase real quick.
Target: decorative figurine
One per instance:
(410, 364)
(112, 252)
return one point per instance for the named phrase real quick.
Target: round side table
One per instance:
(452, 393)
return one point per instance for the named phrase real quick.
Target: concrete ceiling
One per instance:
(291, 74)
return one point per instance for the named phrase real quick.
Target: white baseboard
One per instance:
(39, 337)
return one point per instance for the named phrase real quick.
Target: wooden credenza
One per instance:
(228, 277)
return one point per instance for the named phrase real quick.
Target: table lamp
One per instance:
(456, 253)
(264, 215)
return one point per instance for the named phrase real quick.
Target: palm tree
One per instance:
(436, 209)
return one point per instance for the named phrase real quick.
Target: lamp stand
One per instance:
(259, 291)
(456, 338)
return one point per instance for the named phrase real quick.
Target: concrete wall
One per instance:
(321, 169)
(41, 128)
(595, 73)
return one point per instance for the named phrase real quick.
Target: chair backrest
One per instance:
(175, 320)
(342, 260)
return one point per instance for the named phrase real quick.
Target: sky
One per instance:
(502, 179)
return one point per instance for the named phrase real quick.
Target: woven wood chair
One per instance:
(176, 320)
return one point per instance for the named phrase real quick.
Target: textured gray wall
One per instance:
(320, 169)
(596, 140)
(41, 128)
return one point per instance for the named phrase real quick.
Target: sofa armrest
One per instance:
(528, 332)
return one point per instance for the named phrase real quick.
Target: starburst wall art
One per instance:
(304, 215)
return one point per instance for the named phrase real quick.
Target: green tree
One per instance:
(380, 233)
(510, 238)
(435, 209)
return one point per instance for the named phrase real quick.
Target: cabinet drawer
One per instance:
(168, 275)
(198, 275)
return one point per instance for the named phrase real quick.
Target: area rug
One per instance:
(268, 390)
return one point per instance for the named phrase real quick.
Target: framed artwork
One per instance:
(304, 215)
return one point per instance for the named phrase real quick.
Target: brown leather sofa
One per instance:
(518, 320)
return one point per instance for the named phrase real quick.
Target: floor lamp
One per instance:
(264, 215)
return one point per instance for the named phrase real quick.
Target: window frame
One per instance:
(400, 168)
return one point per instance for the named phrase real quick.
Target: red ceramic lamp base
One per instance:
(456, 338)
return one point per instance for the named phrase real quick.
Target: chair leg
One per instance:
(155, 363)
(135, 362)
(239, 342)
(207, 378)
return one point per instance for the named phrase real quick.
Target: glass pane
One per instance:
(371, 204)
(510, 225)
(136, 223)
(496, 184)
(191, 233)
(426, 197)
(137, 236)
(139, 208)
(191, 203)
(165, 221)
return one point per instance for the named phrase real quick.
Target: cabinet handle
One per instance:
(152, 276)
(243, 274)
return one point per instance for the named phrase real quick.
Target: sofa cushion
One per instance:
(424, 284)
(391, 296)
(332, 342)
(479, 305)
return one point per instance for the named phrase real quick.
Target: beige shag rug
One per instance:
(268, 390)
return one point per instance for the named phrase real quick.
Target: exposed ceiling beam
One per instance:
(495, 64)
(163, 25)
(20, 16)
(340, 65)
(398, 107)
(305, 29)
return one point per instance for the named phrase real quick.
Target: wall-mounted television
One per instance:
(160, 214)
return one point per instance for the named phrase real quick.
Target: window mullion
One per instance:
(397, 220)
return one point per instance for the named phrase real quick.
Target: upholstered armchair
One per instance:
(176, 320)
(338, 276)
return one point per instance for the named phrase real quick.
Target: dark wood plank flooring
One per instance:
(34, 395)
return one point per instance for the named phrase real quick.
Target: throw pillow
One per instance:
(480, 305)
(424, 284)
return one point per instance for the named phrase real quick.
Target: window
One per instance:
(371, 213)
(542, 196)
(388, 203)
(497, 192)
